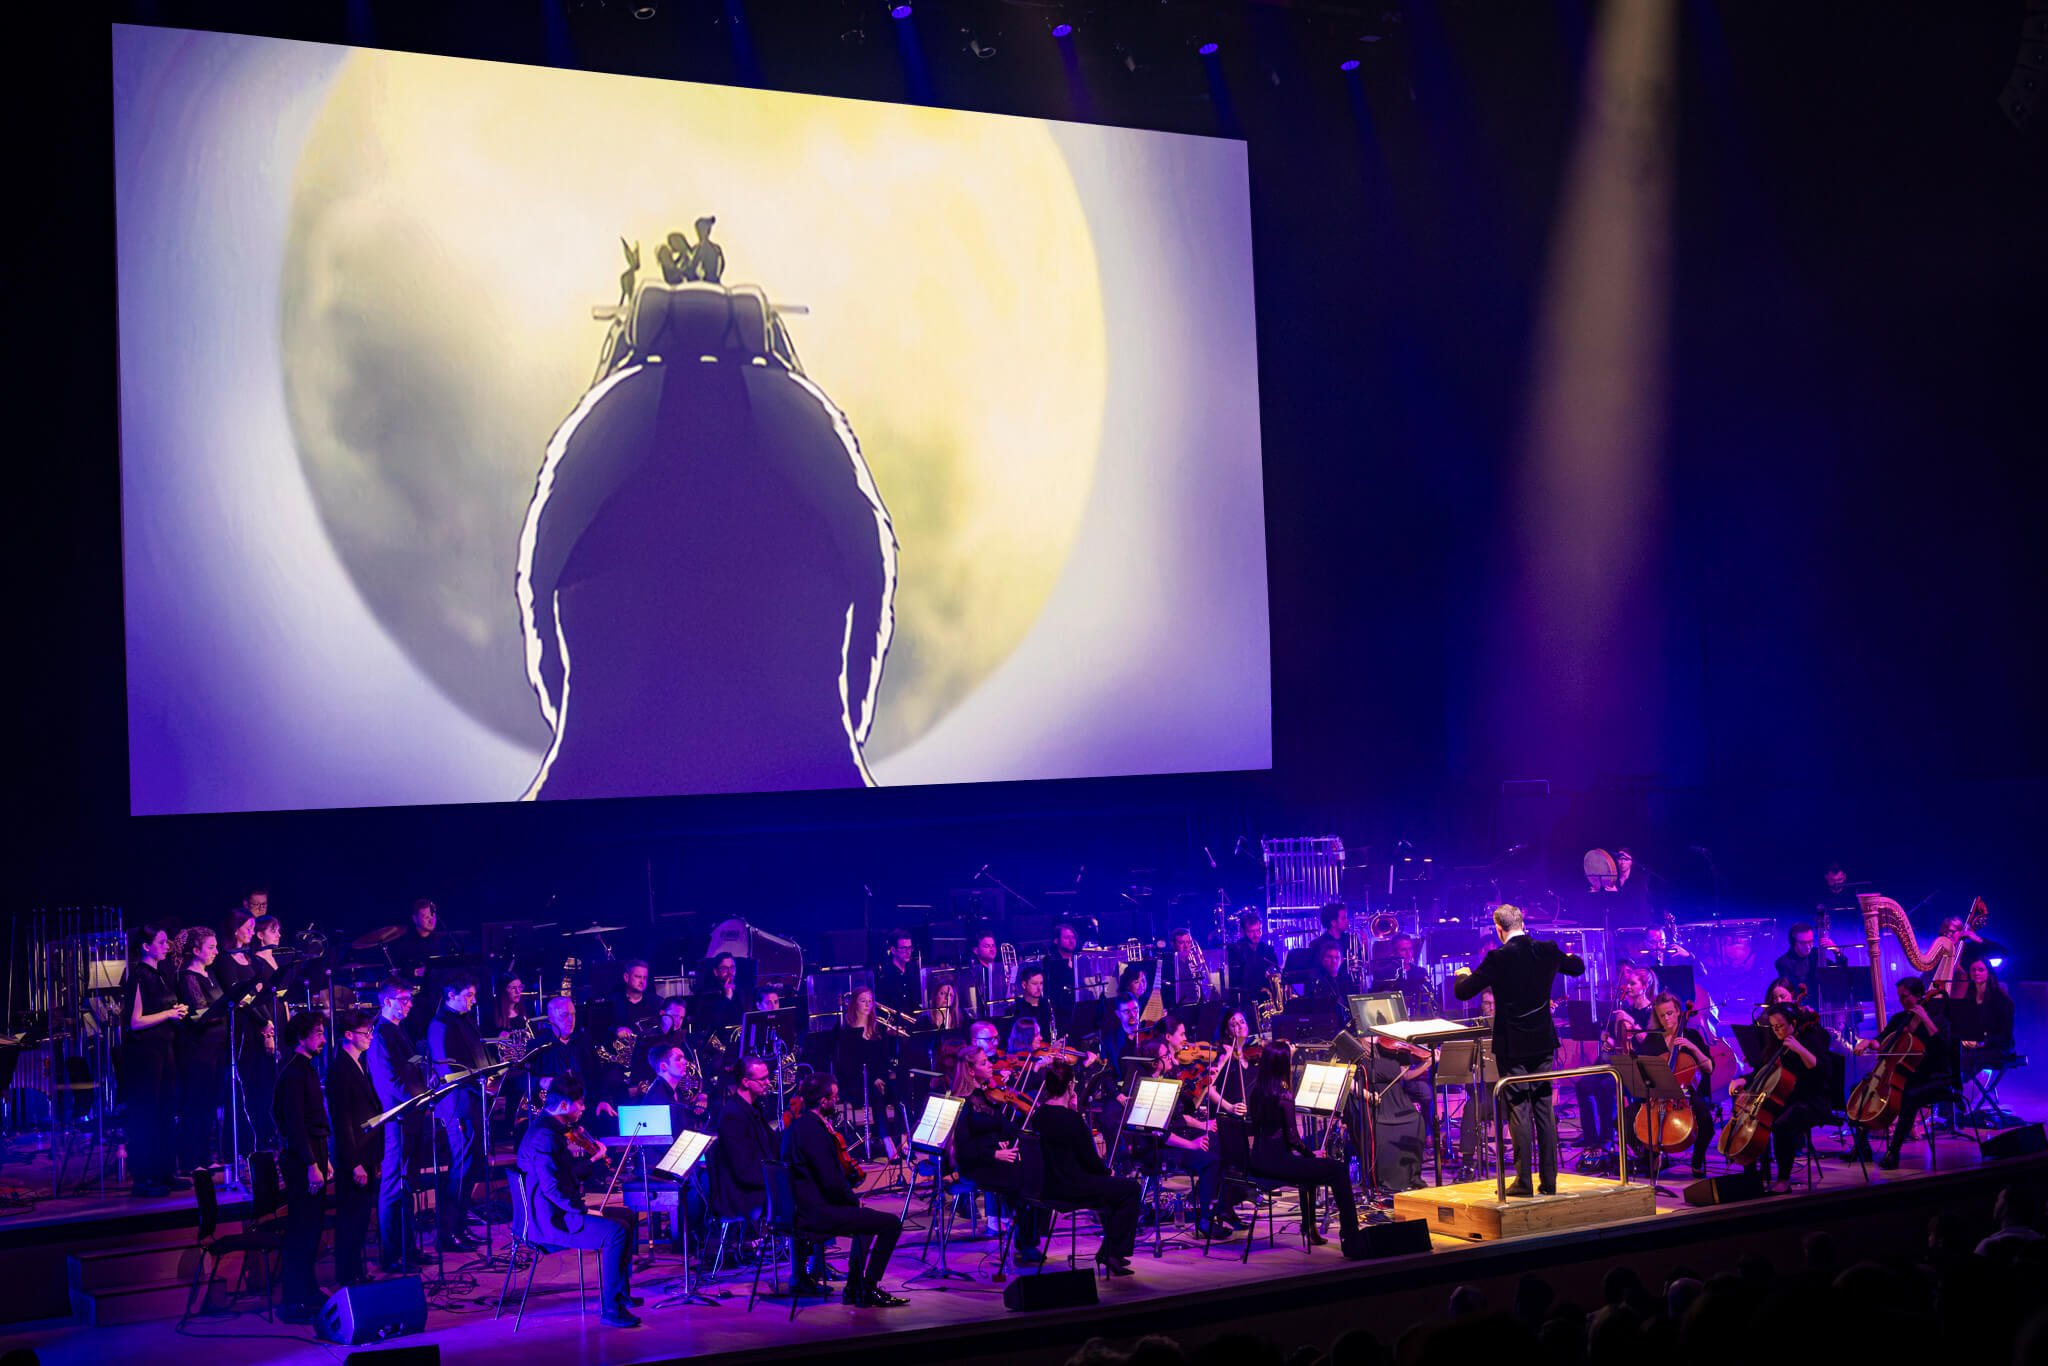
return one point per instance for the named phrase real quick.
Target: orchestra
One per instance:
(1042, 1108)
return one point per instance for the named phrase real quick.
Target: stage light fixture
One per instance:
(976, 48)
(1207, 49)
(1062, 30)
(1348, 64)
(899, 11)
(643, 11)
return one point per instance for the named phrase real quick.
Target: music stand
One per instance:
(1087, 1017)
(934, 1127)
(1646, 1080)
(676, 1165)
(1153, 1101)
(1322, 1087)
(758, 1028)
(1469, 1062)
(1756, 1043)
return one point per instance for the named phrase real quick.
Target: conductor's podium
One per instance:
(1472, 1210)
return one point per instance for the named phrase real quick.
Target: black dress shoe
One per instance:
(1113, 1266)
(1521, 1190)
(882, 1299)
(619, 1317)
(809, 1288)
(1546, 1190)
(1889, 1162)
(1314, 1238)
(1216, 1231)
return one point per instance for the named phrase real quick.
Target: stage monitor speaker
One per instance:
(1050, 1290)
(1725, 1190)
(2027, 1139)
(420, 1354)
(1387, 1240)
(356, 1314)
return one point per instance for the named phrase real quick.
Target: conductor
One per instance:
(1519, 973)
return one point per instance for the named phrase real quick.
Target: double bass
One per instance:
(1747, 1137)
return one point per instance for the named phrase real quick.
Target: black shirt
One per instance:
(157, 994)
(1250, 966)
(351, 1103)
(301, 1112)
(898, 988)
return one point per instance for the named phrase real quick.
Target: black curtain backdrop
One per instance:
(1846, 622)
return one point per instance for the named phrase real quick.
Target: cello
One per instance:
(1668, 1125)
(1875, 1101)
(1747, 1138)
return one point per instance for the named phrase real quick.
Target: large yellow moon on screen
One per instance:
(453, 223)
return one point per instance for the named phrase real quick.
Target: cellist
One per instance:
(1803, 1046)
(1678, 1043)
(1922, 1014)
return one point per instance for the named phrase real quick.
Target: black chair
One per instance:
(1234, 1138)
(266, 1191)
(213, 1246)
(522, 1237)
(1988, 1072)
(1031, 1196)
(780, 1220)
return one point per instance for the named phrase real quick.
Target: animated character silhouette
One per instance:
(681, 263)
(707, 572)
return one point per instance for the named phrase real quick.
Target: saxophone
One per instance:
(1196, 970)
(1270, 1003)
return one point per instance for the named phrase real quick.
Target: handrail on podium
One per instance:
(1556, 1074)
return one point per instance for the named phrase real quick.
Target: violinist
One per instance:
(1400, 1095)
(1230, 1087)
(1189, 1142)
(1804, 1046)
(1279, 1151)
(985, 1142)
(1075, 1171)
(826, 1204)
(547, 1166)
(1672, 1039)
(1921, 1014)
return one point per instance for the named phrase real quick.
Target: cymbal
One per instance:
(601, 929)
(378, 938)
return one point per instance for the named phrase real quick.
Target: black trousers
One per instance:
(1207, 1170)
(1596, 1109)
(1307, 1173)
(1788, 1139)
(615, 1235)
(874, 1233)
(1531, 1106)
(462, 1137)
(302, 1221)
(200, 1077)
(1917, 1098)
(352, 1206)
(405, 1142)
(149, 1092)
(1117, 1202)
(1007, 1180)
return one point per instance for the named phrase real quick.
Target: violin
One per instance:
(1003, 1095)
(1202, 1054)
(581, 1144)
(848, 1168)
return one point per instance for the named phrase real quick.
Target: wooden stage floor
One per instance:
(955, 1319)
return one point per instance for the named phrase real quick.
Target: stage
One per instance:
(1283, 1289)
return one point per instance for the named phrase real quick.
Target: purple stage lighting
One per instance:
(1207, 49)
(1348, 64)
(900, 12)
(1062, 30)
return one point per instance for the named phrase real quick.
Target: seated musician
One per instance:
(1252, 961)
(555, 1198)
(1279, 1152)
(1120, 1037)
(1980, 1018)
(673, 1028)
(629, 1006)
(1075, 1172)
(1331, 986)
(739, 1186)
(717, 1003)
(1781, 991)
(1923, 1016)
(944, 1013)
(1398, 1076)
(985, 1142)
(1669, 1041)
(1032, 1001)
(1187, 970)
(562, 1050)
(1231, 1087)
(826, 1203)
(675, 1087)
(1134, 984)
(1805, 1054)
(1189, 1145)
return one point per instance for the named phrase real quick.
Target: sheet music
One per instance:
(1153, 1107)
(1423, 1030)
(683, 1153)
(1322, 1087)
(936, 1123)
